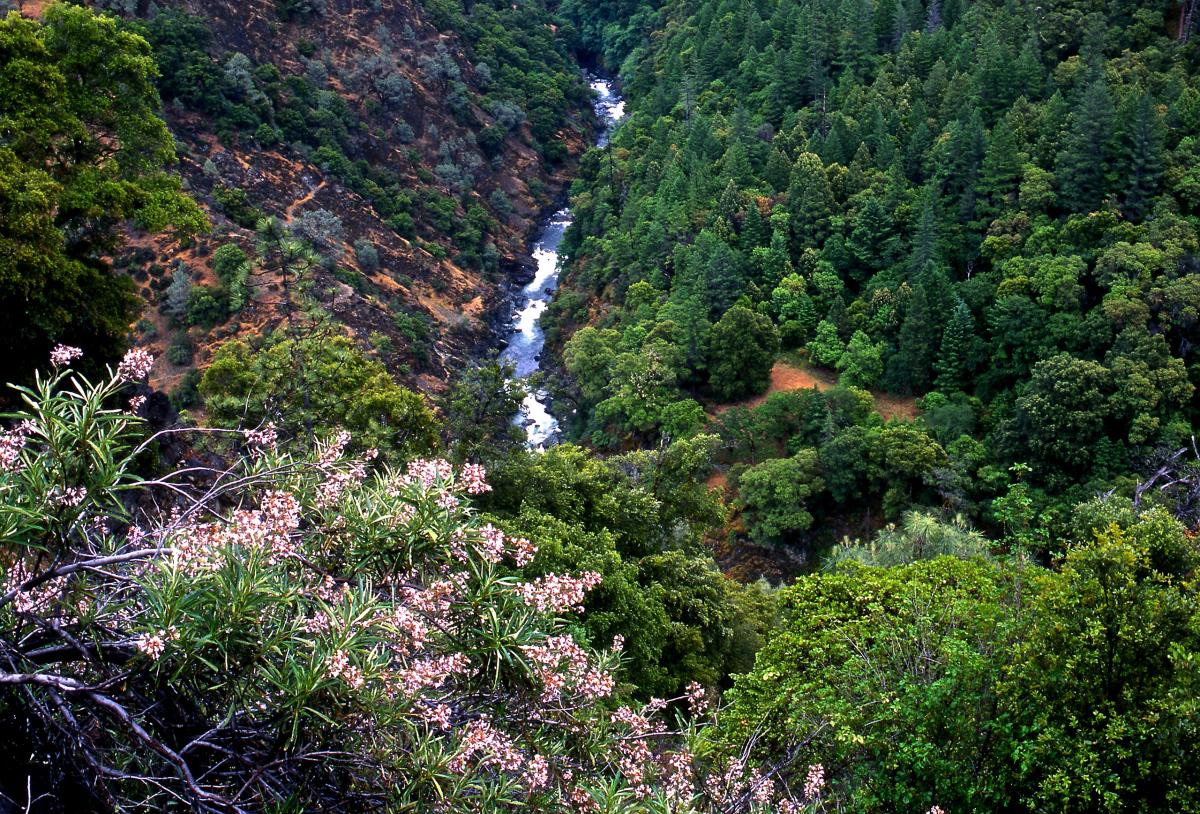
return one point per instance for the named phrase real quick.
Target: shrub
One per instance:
(366, 254)
(180, 351)
(207, 306)
(323, 630)
(320, 227)
(235, 204)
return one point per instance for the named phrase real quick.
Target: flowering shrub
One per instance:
(310, 632)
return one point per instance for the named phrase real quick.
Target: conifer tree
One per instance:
(1083, 165)
(810, 202)
(1000, 175)
(1141, 134)
(778, 172)
(908, 370)
(957, 354)
(873, 241)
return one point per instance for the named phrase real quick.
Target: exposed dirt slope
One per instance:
(786, 376)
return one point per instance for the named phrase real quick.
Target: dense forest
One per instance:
(874, 351)
(988, 206)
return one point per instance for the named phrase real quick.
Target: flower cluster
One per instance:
(697, 699)
(63, 355)
(429, 472)
(266, 437)
(33, 599)
(537, 773)
(474, 478)
(815, 781)
(634, 755)
(200, 546)
(556, 593)
(338, 666)
(135, 403)
(489, 747)
(428, 673)
(562, 665)
(71, 496)
(494, 545)
(11, 443)
(152, 645)
(135, 365)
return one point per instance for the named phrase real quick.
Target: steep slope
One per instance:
(411, 145)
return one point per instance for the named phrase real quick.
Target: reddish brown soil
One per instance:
(33, 8)
(786, 377)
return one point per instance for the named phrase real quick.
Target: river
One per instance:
(524, 348)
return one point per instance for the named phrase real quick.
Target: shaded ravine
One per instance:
(524, 347)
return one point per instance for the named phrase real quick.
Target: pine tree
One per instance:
(873, 241)
(735, 165)
(885, 23)
(837, 143)
(995, 81)
(1142, 136)
(967, 146)
(933, 17)
(810, 202)
(908, 370)
(957, 355)
(1000, 175)
(754, 228)
(729, 205)
(778, 172)
(1029, 74)
(1084, 162)
(927, 245)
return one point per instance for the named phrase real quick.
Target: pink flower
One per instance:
(557, 593)
(152, 645)
(63, 355)
(263, 438)
(494, 748)
(71, 497)
(537, 773)
(335, 449)
(436, 715)
(679, 784)
(429, 472)
(815, 782)
(936, 810)
(697, 699)
(522, 551)
(762, 789)
(136, 365)
(563, 666)
(491, 545)
(474, 478)
(136, 403)
(11, 444)
(338, 666)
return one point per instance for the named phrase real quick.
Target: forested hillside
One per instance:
(874, 352)
(989, 206)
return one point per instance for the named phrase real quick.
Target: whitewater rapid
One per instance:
(525, 346)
